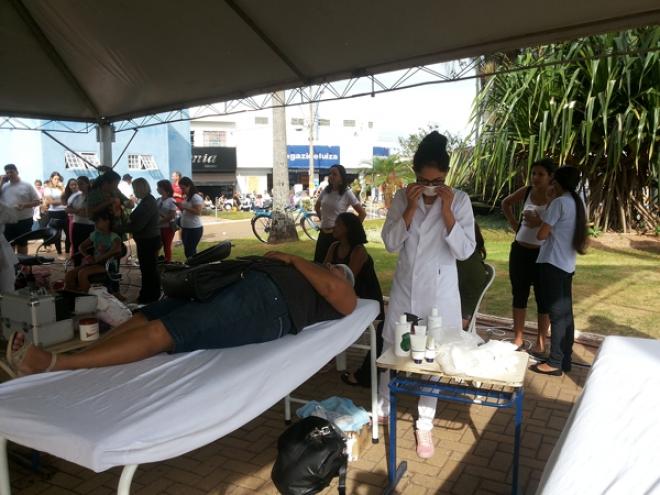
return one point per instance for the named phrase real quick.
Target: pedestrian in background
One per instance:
(191, 221)
(22, 197)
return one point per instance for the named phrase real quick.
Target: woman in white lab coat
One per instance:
(430, 225)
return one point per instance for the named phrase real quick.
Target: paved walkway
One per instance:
(474, 445)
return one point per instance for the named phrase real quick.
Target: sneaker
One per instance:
(425, 448)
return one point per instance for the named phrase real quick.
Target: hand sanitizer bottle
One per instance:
(402, 337)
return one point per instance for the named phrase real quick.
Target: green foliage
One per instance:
(599, 114)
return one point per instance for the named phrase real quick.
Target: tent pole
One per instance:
(105, 135)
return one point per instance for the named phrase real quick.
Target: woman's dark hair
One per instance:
(344, 179)
(53, 174)
(166, 186)
(481, 244)
(432, 152)
(104, 214)
(547, 164)
(107, 178)
(67, 191)
(354, 229)
(568, 178)
(186, 181)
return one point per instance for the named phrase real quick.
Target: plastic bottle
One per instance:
(434, 323)
(401, 329)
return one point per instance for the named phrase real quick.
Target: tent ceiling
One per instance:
(94, 59)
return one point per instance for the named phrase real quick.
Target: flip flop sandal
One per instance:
(15, 358)
(10, 347)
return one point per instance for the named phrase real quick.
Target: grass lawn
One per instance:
(615, 289)
(228, 215)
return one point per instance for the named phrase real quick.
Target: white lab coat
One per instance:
(8, 259)
(426, 274)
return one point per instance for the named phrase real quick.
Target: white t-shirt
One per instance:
(558, 248)
(526, 233)
(77, 201)
(55, 194)
(165, 207)
(21, 192)
(332, 204)
(190, 220)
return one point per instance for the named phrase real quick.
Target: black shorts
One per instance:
(13, 230)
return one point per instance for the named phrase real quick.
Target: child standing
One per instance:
(105, 244)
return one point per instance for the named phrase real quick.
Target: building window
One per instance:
(261, 120)
(349, 123)
(192, 138)
(215, 138)
(74, 162)
(324, 122)
(297, 122)
(371, 125)
(142, 162)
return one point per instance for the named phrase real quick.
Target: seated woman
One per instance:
(270, 300)
(349, 249)
(472, 277)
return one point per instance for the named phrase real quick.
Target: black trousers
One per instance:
(147, 251)
(322, 246)
(61, 216)
(557, 296)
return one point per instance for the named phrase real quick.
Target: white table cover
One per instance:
(611, 442)
(167, 405)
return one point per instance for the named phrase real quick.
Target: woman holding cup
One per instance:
(430, 225)
(523, 270)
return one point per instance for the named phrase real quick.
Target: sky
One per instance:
(401, 113)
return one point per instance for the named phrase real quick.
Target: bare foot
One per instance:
(36, 360)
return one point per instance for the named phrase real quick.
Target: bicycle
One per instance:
(309, 221)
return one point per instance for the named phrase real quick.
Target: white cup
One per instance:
(429, 191)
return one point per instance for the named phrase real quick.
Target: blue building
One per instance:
(153, 153)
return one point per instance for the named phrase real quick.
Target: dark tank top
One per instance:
(366, 282)
(306, 306)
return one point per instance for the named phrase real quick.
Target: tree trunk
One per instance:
(283, 229)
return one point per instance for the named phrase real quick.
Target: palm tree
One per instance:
(600, 113)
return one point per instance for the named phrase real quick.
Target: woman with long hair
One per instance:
(523, 270)
(430, 225)
(335, 199)
(348, 249)
(70, 189)
(191, 221)
(81, 224)
(564, 230)
(56, 208)
(105, 195)
(167, 214)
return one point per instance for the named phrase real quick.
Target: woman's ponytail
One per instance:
(568, 178)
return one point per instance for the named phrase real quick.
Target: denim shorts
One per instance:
(250, 311)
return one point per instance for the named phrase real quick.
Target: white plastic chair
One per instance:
(490, 270)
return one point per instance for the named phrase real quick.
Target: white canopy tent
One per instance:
(104, 61)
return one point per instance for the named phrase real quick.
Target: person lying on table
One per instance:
(268, 302)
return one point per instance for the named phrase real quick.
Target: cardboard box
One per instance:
(357, 442)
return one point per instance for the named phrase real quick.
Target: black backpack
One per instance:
(310, 454)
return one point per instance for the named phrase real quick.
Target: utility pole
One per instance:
(311, 147)
(283, 229)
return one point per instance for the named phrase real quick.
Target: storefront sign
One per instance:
(380, 152)
(214, 159)
(324, 156)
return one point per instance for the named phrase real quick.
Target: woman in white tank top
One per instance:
(523, 271)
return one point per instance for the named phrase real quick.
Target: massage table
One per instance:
(611, 441)
(167, 405)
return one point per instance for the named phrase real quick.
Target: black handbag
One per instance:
(309, 455)
(201, 282)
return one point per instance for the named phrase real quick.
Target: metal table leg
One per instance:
(5, 489)
(394, 472)
(126, 478)
(519, 393)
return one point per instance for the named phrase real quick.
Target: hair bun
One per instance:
(434, 139)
